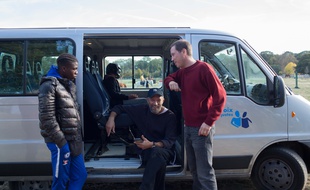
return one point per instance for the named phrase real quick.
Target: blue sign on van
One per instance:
(237, 120)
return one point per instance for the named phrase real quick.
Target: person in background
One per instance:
(142, 80)
(158, 130)
(60, 124)
(203, 100)
(111, 84)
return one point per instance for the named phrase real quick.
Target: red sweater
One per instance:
(203, 95)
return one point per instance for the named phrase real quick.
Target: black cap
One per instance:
(154, 91)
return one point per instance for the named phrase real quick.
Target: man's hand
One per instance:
(204, 129)
(65, 150)
(174, 86)
(145, 144)
(133, 96)
(110, 125)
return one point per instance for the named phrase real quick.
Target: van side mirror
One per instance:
(279, 91)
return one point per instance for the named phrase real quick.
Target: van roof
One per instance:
(156, 30)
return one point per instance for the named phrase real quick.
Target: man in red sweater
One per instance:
(203, 100)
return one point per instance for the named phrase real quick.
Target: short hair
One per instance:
(182, 44)
(66, 58)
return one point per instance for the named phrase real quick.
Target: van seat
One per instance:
(32, 83)
(97, 102)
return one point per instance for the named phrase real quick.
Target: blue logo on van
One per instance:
(238, 121)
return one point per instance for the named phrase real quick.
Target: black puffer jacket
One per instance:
(58, 113)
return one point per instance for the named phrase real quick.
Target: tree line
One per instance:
(285, 64)
(288, 63)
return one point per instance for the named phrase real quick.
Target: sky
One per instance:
(268, 25)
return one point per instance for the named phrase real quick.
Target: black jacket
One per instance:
(58, 113)
(112, 86)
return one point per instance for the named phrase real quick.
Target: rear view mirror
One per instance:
(279, 91)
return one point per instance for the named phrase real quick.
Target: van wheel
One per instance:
(279, 168)
(33, 185)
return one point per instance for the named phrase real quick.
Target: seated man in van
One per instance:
(158, 130)
(112, 86)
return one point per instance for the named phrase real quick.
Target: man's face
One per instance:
(177, 57)
(70, 71)
(156, 103)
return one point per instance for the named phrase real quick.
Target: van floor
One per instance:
(114, 149)
(113, 163)
(117, 157)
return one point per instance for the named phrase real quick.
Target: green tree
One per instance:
(138, 73)
(269, 57)
(272, 59)
(303, 62)
(286, 58)
(289, 69)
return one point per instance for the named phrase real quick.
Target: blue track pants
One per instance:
(68, 172)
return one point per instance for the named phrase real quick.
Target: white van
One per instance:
(263, 133)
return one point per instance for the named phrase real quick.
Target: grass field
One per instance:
(303, 86)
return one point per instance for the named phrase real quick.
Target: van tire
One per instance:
(35, 185)
(279, 168)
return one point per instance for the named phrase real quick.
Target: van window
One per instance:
(222, 57)
(138, 71)
(20, 73)
(255, 80)
(41, 54)
(11, 74)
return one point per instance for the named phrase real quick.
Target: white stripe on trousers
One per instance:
(57, 163)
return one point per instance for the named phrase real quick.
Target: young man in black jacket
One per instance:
(60, 124)
(112, 86)
(158, 130)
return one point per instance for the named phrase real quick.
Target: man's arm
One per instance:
(146, 144)
(218, 94)
(111, 85)
(110, 125)
(170, 82)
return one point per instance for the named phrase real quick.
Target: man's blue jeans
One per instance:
(199, 156)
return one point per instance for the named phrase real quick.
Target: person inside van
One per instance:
(158, 130)
(111, 84)
(203, 99)
(60, 124)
